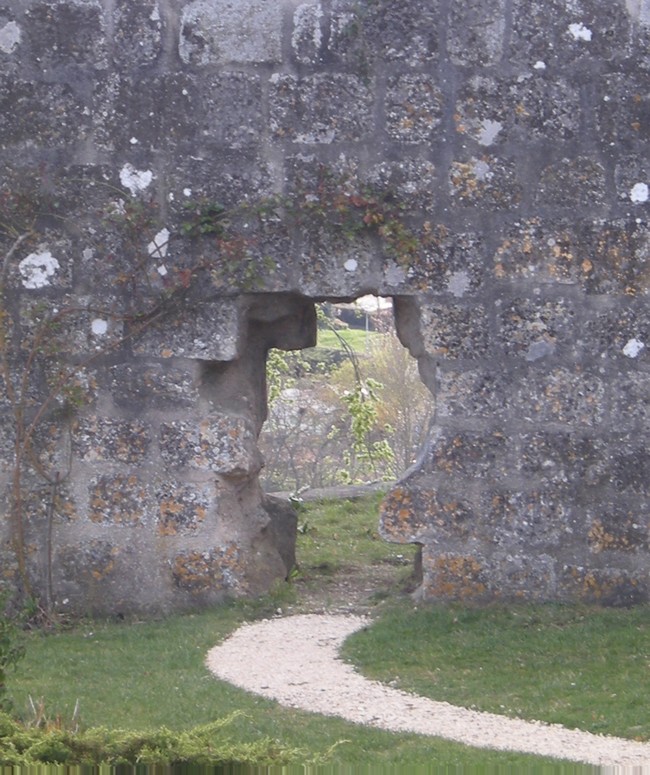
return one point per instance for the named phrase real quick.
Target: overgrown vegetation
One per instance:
(208, 744)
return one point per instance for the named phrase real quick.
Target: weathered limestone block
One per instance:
(52, 34)
(476, 32)
(455, 331)
(138, 33)
(223, 32)
(121, 499)
(182, 509)
(138, 386)
(319, 109)
(572, 183)
(485, 181)
(224, 445)
(307, 35)
(413, 108)
(97, 438)
(401, 31)
(211, 333)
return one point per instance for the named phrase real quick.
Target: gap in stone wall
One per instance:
(307, 439)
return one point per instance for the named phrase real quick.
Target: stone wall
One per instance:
(483, 162)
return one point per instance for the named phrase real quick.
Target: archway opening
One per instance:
(346, 420)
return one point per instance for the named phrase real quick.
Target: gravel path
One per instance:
(295, 661)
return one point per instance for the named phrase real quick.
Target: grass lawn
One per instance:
(357, 338)
(583, 667)
(149, 674)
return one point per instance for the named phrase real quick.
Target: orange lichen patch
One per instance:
(463, 179)
(118, 499)
(65, 507)
(94, 561)
(397, 514)
(609, 587)
(196, 571)
(622, 536)
(217, 570)
(179, 516)
(456, 577)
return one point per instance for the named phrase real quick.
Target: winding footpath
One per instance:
(295, 660)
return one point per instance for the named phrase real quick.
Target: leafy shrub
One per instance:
(202, 745)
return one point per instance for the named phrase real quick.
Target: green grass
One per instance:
(144, 674)
(342, 535)
(581, 667)
(357, 338)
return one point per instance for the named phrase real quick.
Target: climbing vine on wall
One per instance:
(45, 360)
(344, 204)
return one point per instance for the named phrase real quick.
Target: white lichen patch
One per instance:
(539, 65)
(159, 244)
(489, 131)
(99, 326)
(633, 348)
(135, 180)
(458, 284)
(639, 193)
(9, 37)
(395, 274)
(482, 170)
(580, 32)
(351, 265)
(37, 269)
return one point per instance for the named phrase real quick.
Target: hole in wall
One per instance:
(346, 419)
